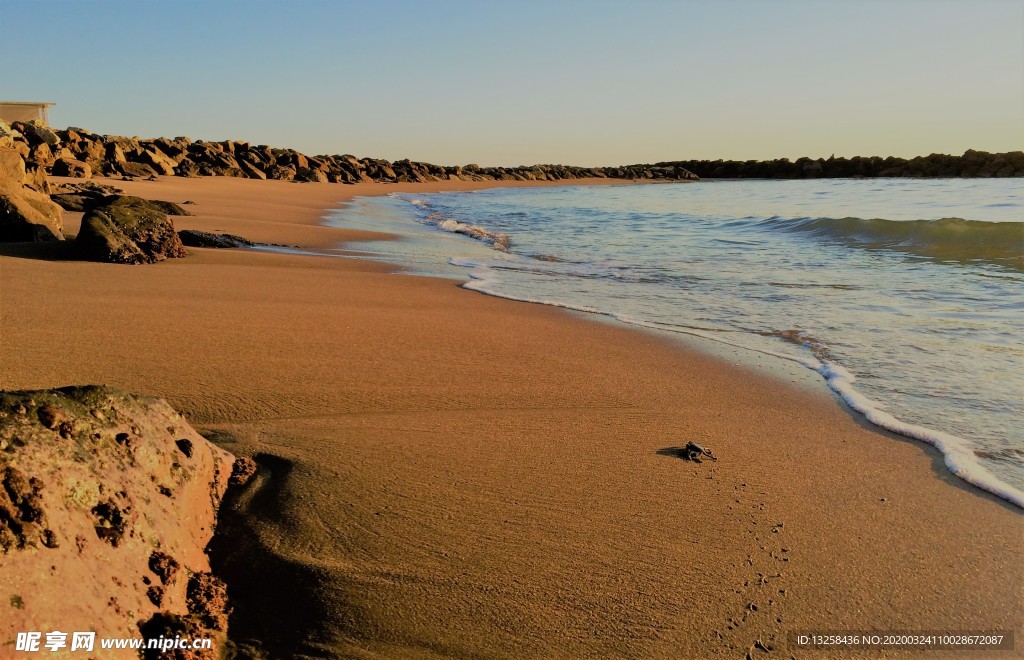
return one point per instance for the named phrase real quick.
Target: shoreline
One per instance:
(837, 380)
(440, 462)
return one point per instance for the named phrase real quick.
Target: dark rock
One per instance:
(71, 167)
(22, 519)
(165, 625)
(50, 416)
(310, 175)
(128, 230)
(164, 566)
(74, 202)
(90, 188)
(170, 208)
(187, 168)
(208, 599)
(36, 133)
(281, 173)
(205, 239)
(242, 471)
(111, 523)
(80, 197)
(155, 595)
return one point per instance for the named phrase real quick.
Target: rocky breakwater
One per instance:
(77, 152)
(107, 503)
(972, 164)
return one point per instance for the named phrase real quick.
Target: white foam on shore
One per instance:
(956, 451)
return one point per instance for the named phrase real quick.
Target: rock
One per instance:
(50, 416)
(281, 173)
(22, 518)
(75, 202)
(80, 197)
(128, 230)
(187, 168)
(71, 167)
(310, 175)
(36, 179)
(164, 566)
(85, 538)
(41, 155)
(12, 166)
(8, 135)
(208, 599)
(170, 208)
(90, 188)
(242, 471)
(251, 171)
(26, 215)
(158, 161)
(140, 170)
(36, 133)
(164, 625)
(205, 239)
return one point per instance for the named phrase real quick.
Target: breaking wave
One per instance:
(496, 239)
(946, 239)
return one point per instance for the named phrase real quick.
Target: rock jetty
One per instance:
(972, 164)
(77, 152)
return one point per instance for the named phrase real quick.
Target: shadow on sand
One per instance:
(275, 601)
(675, 452)
(42, 250)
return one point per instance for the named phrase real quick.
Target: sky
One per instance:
(517, 82)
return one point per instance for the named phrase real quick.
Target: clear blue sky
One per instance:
(505, 83)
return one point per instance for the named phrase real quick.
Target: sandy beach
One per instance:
(449, 474)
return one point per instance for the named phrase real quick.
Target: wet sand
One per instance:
(448, 474)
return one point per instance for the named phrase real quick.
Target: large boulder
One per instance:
(107, 502)
(36, 132)
(128, 230)
(25, 214)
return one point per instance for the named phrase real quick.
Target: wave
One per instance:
(496, 239)
(959, 457)
(946, 239)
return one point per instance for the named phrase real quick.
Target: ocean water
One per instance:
(906, 296)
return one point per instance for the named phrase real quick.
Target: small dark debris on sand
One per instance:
(691, 452)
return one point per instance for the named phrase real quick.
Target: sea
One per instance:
(904, 296)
